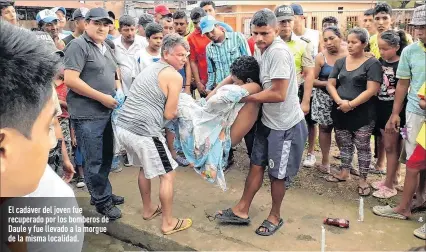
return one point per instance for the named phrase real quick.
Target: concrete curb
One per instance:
(127, 233)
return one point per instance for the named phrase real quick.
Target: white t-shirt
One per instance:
(53, 192)
(145, 59)
(314, 37)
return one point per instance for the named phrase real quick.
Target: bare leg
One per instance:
(312, 135)
(277, 193)
(253, 183)
(410, 185)
(166, 199)
(325, 143)
(393, 149)
(381, 154)
(170, 137)
(145, 191)
(244, 122)
(80, 171)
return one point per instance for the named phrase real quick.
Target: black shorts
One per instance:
(308, 117)
(383, 113)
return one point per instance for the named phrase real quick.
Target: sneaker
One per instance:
(126, 161)
(116, 170)
(116, 200)
(115, 166)
(110, 211)
(80, 182)
(421, 232)
(309, 160)
(182, 161)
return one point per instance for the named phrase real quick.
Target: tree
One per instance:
(401, 4)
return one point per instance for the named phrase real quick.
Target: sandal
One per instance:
(387, 211)
(363, 189)
(385, 193)
(334, 179)
(323, 169)
(179, 227)
(270, 228)
(155, 214)
(228, 216)
(355, 172)
(378, 184)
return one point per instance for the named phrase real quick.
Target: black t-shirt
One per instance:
(68, 39)
(350, 84)
(388, 86)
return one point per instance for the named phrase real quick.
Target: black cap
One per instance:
(79, 13)
(98, 14)
(284, 12)
(145, 19)
(197, 13)
(297, 9)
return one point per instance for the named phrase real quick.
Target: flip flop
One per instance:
(363, 189)
(387, 211)
(334, 179)
(378, 184)
(270, 227)
(155, 214)
(355, 172)
(323, 169)
(378, 172)
(385, 193)
(228, 216)
(179, 227)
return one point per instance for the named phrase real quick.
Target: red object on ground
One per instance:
(337, 222)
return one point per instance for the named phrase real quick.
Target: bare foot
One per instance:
(273, 219)
(176, 225)
(148, 212)
(404, 212)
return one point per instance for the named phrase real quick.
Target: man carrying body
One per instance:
(301, 49)
(79, 25)
(7, 11)
(153, 98)
(91, 75)
(281, 134)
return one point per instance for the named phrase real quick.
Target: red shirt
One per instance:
(62, 91)
(251, 42)
(198, 43)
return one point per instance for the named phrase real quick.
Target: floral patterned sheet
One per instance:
(203, 130)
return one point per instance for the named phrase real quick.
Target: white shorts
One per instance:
(150, 153)
(414, 124)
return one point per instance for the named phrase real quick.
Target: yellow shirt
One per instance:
(302, 55)
(374, 44)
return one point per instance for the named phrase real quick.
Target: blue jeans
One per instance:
(95, 139)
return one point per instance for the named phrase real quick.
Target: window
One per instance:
(314, 23)
(340, 9)
(351, 22)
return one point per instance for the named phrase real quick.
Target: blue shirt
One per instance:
(412, 65)
(220, 56)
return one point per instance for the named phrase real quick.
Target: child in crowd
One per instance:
(391, 44)
(151, 54)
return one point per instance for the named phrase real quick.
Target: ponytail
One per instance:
(395, 38)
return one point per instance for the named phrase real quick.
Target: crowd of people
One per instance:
(128, 95)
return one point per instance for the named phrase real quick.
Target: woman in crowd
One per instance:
(391, 44)
(355, 79)
(322, 102)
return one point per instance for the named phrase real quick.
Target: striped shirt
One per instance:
(220, 56)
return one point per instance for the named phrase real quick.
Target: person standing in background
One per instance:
(7, 11)
(300, 29)
(79, 25)
(61, 13)
(368, 22)
(210, 8)
(143, 21)
(47, 21)
(161, 11)
(113, 33)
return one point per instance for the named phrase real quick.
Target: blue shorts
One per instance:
(280, 150)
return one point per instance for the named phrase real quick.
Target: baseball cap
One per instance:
(284, 12)
(419, 16)
(297, 9)
(207, 24)
(98, 14)
(79, 13)
(162, 9)
(59, 8)
(47, 16)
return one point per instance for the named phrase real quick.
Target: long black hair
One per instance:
(394, 39)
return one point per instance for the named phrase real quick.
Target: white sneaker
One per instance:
(421, 232)
(80, 182)
(309, 160)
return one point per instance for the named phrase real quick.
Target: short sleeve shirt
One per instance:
(412, 65)
(302, 52)
(97, 67)
(276, 62)
(350, 84)
(388, 87)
